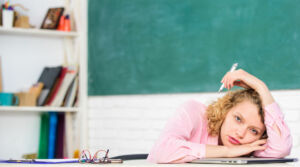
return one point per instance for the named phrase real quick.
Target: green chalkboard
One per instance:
(175, 46)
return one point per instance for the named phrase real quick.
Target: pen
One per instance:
(234, 66)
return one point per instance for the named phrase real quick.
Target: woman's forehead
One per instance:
(249, 112)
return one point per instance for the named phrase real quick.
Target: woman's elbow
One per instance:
(284, 148)
(288, 144)
(287, 149)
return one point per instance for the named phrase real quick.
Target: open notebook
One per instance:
(242, 160)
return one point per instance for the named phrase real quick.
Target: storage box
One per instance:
(26, 99)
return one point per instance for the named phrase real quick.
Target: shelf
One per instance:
(37, 32)
(40, 109)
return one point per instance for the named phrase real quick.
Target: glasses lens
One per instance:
(100, 157)
(85, 156)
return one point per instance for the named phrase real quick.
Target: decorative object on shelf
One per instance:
(61, 23)
(30, 156)
(7, 16)
(30, 98)
(52, 17)
(26, 99)
(8, 99)
(21, 21)
(64, 23)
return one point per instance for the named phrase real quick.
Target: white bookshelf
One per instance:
(36, 32)
(34, 49)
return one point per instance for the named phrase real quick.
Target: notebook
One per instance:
(242, 160)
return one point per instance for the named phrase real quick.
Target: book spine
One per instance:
(56, 89)
(52, 134)
(59, 150)
(43, 144)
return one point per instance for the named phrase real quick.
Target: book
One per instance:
(48, 78)
(69, 144)
(59, 147)
(57, 85)
(43, 143)
(52, 134)
(70, 97)
(62, 90)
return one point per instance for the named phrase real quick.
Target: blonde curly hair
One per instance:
(217, 111)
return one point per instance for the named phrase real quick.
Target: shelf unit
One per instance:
(77, 40)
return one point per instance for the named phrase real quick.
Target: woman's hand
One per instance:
(245, 149)
(243, 79)
(213, 151)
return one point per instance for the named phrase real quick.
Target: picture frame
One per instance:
(52, 17)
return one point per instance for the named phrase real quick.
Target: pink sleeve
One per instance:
(172, 146)
(278, 145)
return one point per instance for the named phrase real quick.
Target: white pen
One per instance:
(234, 66)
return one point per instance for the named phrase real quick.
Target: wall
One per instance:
(131, 124)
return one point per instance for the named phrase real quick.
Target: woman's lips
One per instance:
(233, 140)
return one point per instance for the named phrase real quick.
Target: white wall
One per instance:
(131, 124)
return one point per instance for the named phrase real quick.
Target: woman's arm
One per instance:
(213, 151)
(279, 139)
(173, 145)
(244, 79)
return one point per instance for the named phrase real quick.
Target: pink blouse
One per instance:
(185, 135)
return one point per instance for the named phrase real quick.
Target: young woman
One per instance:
(243, 122)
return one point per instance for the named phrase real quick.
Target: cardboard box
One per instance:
(26, 99)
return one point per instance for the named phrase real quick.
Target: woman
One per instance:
(241, 123)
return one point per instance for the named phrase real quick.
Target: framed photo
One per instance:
(52, 17)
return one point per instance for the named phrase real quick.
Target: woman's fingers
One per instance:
(225, 82)
(229, 79)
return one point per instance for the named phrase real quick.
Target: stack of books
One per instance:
(60, 86)
(60, 90)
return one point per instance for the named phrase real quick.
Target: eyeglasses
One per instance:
(101, 156)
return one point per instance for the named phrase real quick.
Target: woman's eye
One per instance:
(254, 131)
(238, 118)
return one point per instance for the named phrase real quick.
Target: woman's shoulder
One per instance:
(194, 107)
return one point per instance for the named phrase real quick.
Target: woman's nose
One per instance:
(241, 132)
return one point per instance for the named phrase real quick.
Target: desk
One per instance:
(144, 163)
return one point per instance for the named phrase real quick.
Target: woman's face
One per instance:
(242, 125)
